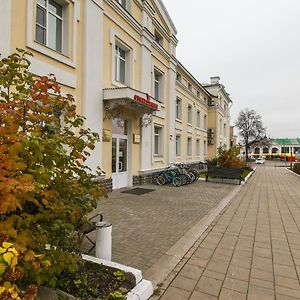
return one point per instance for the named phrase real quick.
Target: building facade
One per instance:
(218, 116)
(118, 58)
(278, 148)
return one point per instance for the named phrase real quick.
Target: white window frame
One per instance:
(159, 135)
(47, 28)
(198, 147)
(189, 146)
(198, 118)
(69, 54)
(190, 114)
(178, 108)
(178, 145)
(158, 82)
(117, 63)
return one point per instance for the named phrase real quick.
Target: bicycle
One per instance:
(169, 175)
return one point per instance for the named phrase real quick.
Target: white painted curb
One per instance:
(143, 289)
(293, 172)
(248, 176)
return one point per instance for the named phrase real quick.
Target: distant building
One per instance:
(218, 116)
(277, 148)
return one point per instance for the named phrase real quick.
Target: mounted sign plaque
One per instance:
(136, 138)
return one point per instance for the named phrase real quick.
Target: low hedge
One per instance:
(296, 168)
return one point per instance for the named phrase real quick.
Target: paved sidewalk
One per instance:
(146, 226)
(251, 251)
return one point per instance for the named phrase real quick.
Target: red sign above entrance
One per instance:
(146, 101)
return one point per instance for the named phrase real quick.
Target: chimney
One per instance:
(214, 80)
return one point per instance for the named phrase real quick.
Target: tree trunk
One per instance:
(247, 148)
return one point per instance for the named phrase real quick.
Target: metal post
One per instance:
(103, 240)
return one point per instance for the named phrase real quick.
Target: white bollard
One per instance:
(103, 240)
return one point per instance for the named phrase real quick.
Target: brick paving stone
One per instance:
(201, 296)
(191, 271)
(262, 283)
(235, 284)
(254, 239)
(146, 226)
(227, 294)
(173, 293)
(287, 292)
(184, 283)
(238, 273)
(256, 292)
(209, 286)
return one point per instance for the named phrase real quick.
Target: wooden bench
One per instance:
(228, 173)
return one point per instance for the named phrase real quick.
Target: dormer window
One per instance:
(158, 38)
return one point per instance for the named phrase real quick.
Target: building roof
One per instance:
(286, 141)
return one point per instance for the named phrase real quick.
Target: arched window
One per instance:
(257, 150)
(265, 150)
(274, 150)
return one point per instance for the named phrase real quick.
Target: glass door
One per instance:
(119, 161)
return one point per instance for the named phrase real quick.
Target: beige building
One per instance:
(118, 58)
(218, 116)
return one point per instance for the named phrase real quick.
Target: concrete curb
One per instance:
(166, 263)
(293, 172)
(248, 176)
(143, 289)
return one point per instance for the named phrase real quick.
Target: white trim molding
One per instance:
(5, 25)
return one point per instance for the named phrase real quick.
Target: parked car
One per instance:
(260, 160)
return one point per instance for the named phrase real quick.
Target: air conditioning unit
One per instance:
(210, 131)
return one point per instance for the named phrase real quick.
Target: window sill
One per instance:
(119, 84)
(158, 159)
(53, 54)
(178, 120)
(189, 124)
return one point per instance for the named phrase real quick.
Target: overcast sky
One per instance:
(254, 46)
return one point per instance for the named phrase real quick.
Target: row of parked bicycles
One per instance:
(176, 174)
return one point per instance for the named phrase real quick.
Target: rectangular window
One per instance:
(190, 87)
(158, 38)
(189, 146)
(178, 77)
(198, 94)
(205, 122)
(205, 149)
(198, 147)
(178, 108)
(49, 24)
(158, 86)
(190, 114)
(123, 3)
(120, 64)
(178, 145)
(198, 119)
(158, 141)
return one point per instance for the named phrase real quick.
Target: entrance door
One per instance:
(119, 161)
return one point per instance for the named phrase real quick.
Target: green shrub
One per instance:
(296, 168)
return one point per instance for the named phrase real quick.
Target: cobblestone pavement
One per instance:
(251, 251)
(146, 226)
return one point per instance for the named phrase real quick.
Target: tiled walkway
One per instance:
(146, 226)
(252, 251)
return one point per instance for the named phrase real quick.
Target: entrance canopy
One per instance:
(118, 99)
